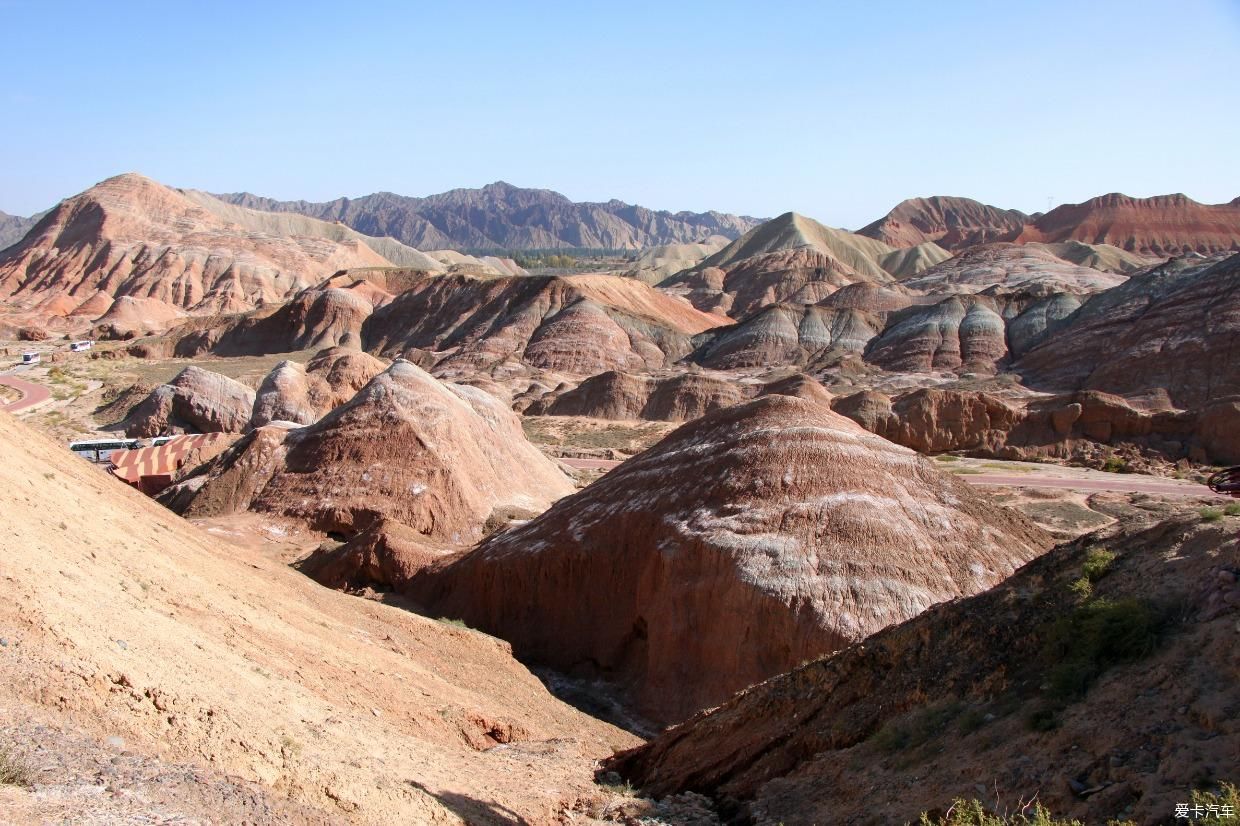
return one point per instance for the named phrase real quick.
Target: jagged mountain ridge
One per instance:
(14, 227)
(503, 216)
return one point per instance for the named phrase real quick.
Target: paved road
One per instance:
(32, 393)
(1118, 483)
(1141, 484)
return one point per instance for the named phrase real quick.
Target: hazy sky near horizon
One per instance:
(836, 110)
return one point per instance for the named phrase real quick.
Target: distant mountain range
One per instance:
(501, 216)
(14, 227)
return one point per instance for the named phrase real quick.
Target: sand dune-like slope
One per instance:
(122, 620)
(658, 263)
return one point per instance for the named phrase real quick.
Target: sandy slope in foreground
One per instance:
(121, 620)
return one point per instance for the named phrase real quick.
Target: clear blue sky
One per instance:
(837, 110)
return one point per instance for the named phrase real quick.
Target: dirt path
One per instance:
(32, 393)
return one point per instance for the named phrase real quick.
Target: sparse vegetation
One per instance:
(1226, 796)
(1095, 636)
(973, 813)
(13, 770)
(450, 621)
(1233, 509)
(915, 729)
(1116, 464)
(1210, 514)
(1097, 562)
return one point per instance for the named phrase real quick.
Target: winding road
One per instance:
(32, 393)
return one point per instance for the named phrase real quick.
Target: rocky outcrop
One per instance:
(128, 317)
(743, 543)
(439, 458)
(302, 394)
(386, 555)
(788, 259)
(614, 395)
(196, 401)
(503, 216)
(314, 318)
(284, 396)
(964, 332)
(578, 325)
(786, 334)
(951, 223)
(931, 420)
(1010, 266)
(1161, 226)
(995, 692)
(1173, 331)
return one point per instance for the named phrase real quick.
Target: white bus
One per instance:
(101, 450)
(31, 357)
(79, 346)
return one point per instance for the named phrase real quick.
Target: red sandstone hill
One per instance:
(1115, 700)
(1162, 226)
(1159, 227)
(466, 325)
(953, 223)
(743, 543)
(440, 458)
(1172, 332)
(130, 236)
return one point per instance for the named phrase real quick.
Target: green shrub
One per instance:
(1232, 509)
(1095, 636)
(1082, 589)
(1116, 464)
(1097, 561)
(1210, 514)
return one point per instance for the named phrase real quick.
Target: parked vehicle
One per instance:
(100, 451)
